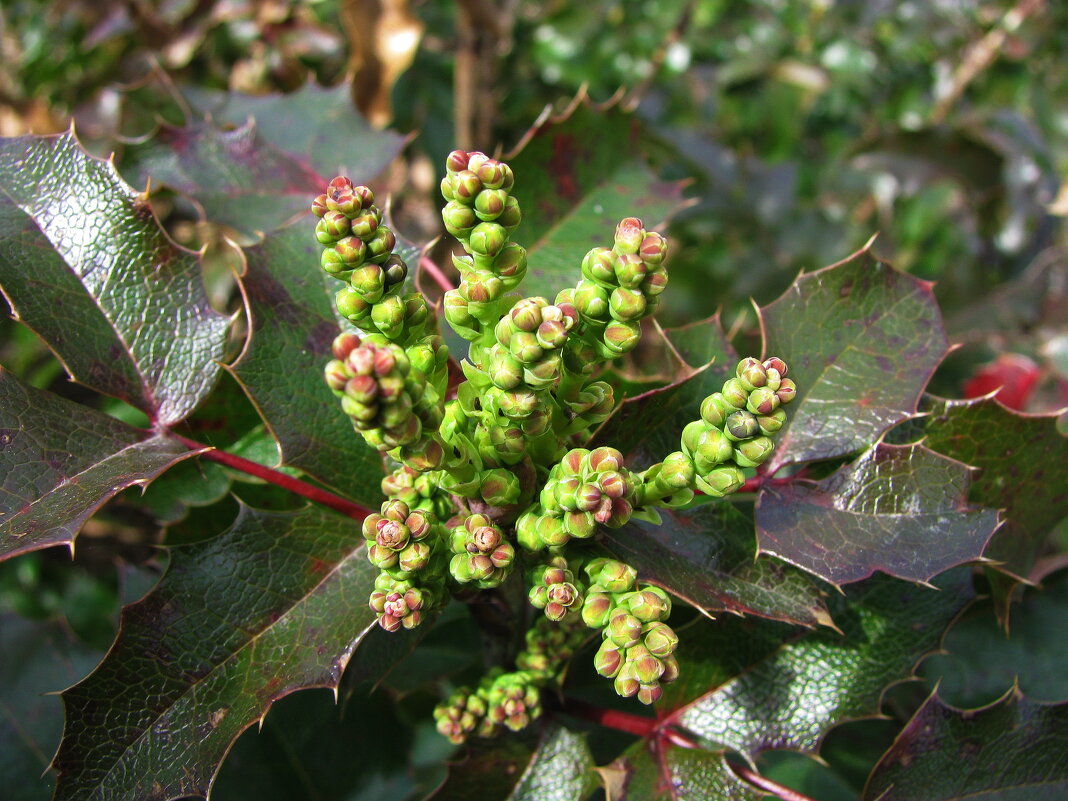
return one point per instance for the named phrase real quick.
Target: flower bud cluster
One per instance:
(388, 400)
(482, 214)
(554, 590)
(400, 542)
(512, 700)
(482, 555)
(585, 488)
(418, 490)
(620, 286)
(637, 650)
(735, 432)
(358, 249)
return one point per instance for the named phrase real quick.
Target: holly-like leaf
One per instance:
(899, 509)
(705, 555)
(577, 175)
(36, 658)
(293, 321)
(861, 340)
(704, 342)
(1012, 749)
(646, 428)
(1022, 463)
(276, 604)
(60, 461)
(749, 686)
(979, 661)
(277, 153)
(316, 125)
(85, 264)
(558, 768)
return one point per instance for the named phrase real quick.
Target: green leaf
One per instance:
(558, 768)
(578, 175)
(1012, 750)
(980, 661)
(706, 556)
(316, 125)
(60, 461)
(276, 604)
(899, 509)
(861, 341)
(669, 773)
(87, 267)
(293, 322)
(1022, 463)
(789, 697)
(702, 342)
(647, 427)
(36, 657)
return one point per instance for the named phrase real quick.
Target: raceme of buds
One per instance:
(553, 590)
(482, 554)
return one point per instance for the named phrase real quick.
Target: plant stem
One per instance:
(767, 785)
(278, 478)
(613, 719)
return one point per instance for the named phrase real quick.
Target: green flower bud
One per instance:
(751, 373)
(388, 316)
(649, 604)
(344, 344)
(511, 264)
(332, 227)
(504, 370)
(787, 391)
(517, 403)
(740, 426)
(753, 452)
(647, 668)
(351, 306)
(465, 187)
(526, 315)
(629, 270)
(490, 204)
(714, 410)
(660, 639)
(735, 394)
(622, 336)
(599, 266)
(613, 575)
(336, 375)
(626, 683)
(691, 436)
(649, 693)
(380, 246)
(524, 346)
(487, 239)
(604, 459)
(771, 423)
(653, 286)
(629, 235)
(370, 282)
(671, 669)
(762, 401)
(499, 487)
(543, 373)
(319, 207)
(351, 250)
(332, 263)
(512, 215)
(341, 196)
(459, 219)
(653, 249)
(608, 660)
(493, 174)
(365, 225)
(414, 557)
(580, 525)
(592, 301)
(721, 481)
(677, 472)
(777, 364)
(458, 315)
(623, 628)
(380, 557)
(596, 609)
(713, 448)
(626, 304)
(456, 161)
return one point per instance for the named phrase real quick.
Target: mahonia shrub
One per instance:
(512, 518)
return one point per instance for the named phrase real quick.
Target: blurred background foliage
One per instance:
(804, 127)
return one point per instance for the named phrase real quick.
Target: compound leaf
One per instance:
(899, 509)
(1009, 751)
(861, 340)
(276, 604)
(85, 264)
(577, 175)
(60, 461)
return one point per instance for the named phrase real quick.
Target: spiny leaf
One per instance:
(1022, 463)
(899, 509)
(861, 340)
(558, 768)
(87, 266)
(705, 556)
(791, 697)
(577, 176)
(979, 661)
(1012, 749)
(704, 341)
(36, 658)
(293, 321)
(60, 461)
(276, 604)
(666, 773)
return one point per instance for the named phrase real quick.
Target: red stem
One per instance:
(620, 721)
(767, 785)
(432, 269)
(294, 485)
